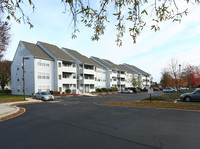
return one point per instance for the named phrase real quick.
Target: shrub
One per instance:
(114, 88)
(109, 89)
(98, 90)
(63, 92)
(5, 91)
(68, 91)
(56, 92)
(104, 90)
(52, 92)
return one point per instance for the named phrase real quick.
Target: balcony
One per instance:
(69, 69)
(87, 71)
(69, 80)
(87, 81)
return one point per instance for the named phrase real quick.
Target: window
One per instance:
(39, 88)
(91, 86)
(39, 63)
(59, 77)
(59, 64)
(60, 89)
(46, 75)
(43, 64)
(47, 65)
(39, 75)
(66, 75)
(43, 75)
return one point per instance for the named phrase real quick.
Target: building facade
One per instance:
(44, 67)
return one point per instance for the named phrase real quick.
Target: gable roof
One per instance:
(37, 51)
(127, 69)
(81, 57)
(139, 70)
(104, 63)
(57, 52)
(116, 66)
(98, 65)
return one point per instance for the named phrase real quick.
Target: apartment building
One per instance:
(129, 76)
(33, 67)
(44, 67)
(65, 72)
(86, 69)
(143, 77)
(111, 72)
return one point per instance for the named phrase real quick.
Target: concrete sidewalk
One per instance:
(7, 109)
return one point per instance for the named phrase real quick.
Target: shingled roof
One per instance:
(81, 57)
(139, 70)
(116, 66)
(57, 52)
(104, 63)
(36, 51)
(127, 69)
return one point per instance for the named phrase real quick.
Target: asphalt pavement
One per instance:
(83, 123)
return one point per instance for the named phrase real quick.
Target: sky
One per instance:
(152, 52)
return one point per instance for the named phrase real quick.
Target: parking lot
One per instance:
(82, 122)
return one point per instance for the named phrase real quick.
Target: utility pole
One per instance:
(24, 88)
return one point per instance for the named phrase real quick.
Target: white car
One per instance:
(44, 96)
(183, 88)
(168, 90)
(127, 91)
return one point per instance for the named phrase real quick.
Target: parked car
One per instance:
(194, 96)
(127, 91)
(156, 89)
(168, 90)
(144, 89)
(175, 90)
(133, 89)
(183, 88)
(196, 89)
(43, 96)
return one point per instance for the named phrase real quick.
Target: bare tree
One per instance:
(5, 73)
(166, 78)
(174, 70)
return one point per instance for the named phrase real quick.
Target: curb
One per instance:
(18, 112)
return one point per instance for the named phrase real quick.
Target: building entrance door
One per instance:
(87, 89)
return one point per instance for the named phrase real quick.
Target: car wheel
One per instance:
(187, 99)
(42, 99)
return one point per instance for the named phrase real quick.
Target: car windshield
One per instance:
(45, 93)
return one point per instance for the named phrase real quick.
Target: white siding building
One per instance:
(65, 71)
(38, 69)
(111, 72)
(47, 67)
(86, 69)
(143, 77)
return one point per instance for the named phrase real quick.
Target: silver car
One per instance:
(44, 96)
(168, 90)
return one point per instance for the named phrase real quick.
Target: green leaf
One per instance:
(144, 11)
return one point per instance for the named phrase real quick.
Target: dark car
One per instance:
(133, 89)
(194, 96)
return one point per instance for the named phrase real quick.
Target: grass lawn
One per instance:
(165, 101)
(11, 98)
